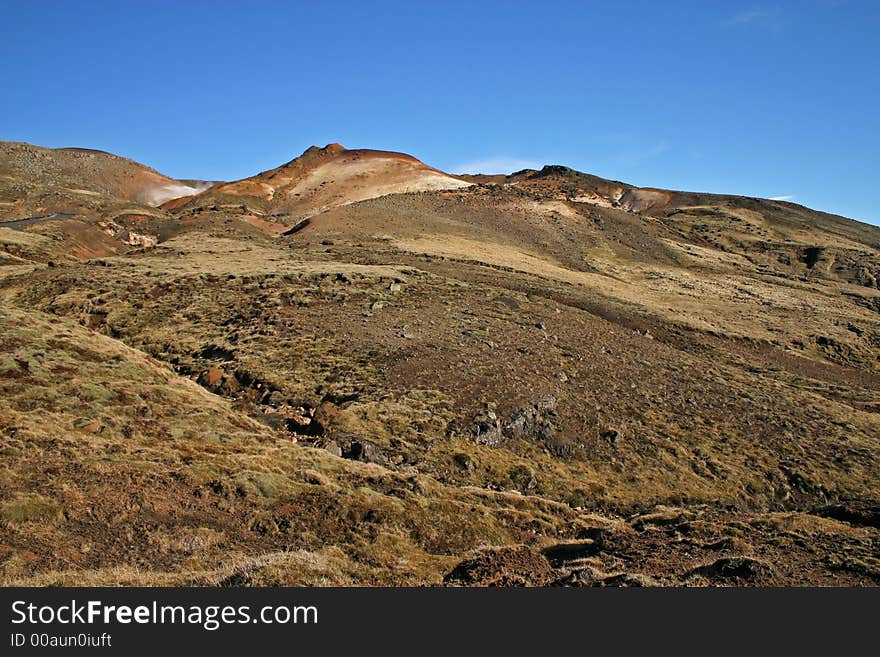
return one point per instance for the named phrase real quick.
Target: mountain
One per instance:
(35, 179)
(357, 369)
(95, 203)
(324, 178)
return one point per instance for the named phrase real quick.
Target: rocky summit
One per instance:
(357, 369)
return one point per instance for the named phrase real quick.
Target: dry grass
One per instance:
(119, 468)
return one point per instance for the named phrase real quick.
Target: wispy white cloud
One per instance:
(754, 16)
(657, 149)
(497, 164)
(784, 197)
(634, 157)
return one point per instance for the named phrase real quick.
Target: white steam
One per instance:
(159, 194)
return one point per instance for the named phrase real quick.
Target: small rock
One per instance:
(273, 420)
(540, 326)
(486, 429)
(536, 422)
(356, 448)
(510, 302)
(395, 287)
(613, 436)
(211, 378)
(329, 446)
(322, 419)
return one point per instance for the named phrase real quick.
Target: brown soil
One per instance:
(539, 379)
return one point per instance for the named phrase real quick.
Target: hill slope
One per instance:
(35, 179)
(547, 378)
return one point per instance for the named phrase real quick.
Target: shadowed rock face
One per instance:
(539, 379)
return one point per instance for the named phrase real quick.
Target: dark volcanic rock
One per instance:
(360, 449)
(486, 429)
(322, 420)
(329, 446)
(535, 422)
(538, 422)
(613, 436)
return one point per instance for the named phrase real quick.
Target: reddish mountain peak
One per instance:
(329, 149)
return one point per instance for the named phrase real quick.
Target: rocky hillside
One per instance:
(355, 369)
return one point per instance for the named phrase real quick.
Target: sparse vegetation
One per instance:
(31, 507)
(545, 389)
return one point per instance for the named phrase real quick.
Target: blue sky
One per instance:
(771, 99)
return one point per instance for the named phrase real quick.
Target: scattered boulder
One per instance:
(593, 577)
(298, 420)
(323, 418)
(486, 429)
(273, 420)
(356, 448)
(328, 445)
(510, 302)
(613, 436)
(535, 422)
(538, 423)
(211, 378)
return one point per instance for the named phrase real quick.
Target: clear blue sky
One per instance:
(772, 99)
